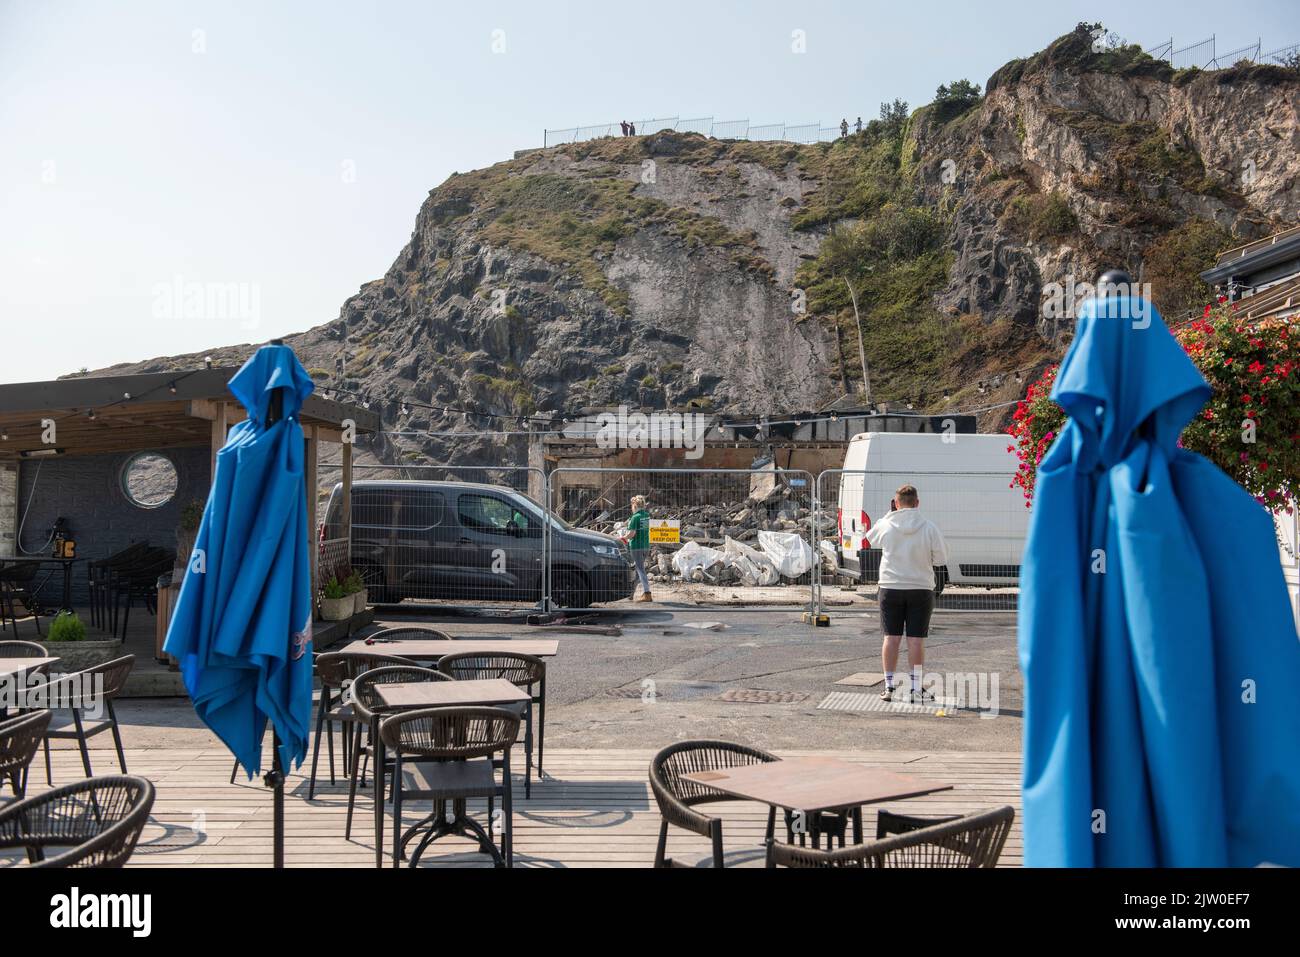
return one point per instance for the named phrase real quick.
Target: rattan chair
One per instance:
(99, 577)
(525, 672)
(385, 635)
(77, 692)
(137, 580)
(888, 823)
(336, 671)
(678, 798)
(17, 586)
(451, 754)
(355, 664)
(974, 840)
(22, 649)
(19, 739)
(98, 819)
(369, 709)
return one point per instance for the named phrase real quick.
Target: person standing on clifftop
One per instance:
(638, 542)
(631, 129)
(857, 127)
(623, 123)
(844, 127)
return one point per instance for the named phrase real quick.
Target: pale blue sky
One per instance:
(291, 152)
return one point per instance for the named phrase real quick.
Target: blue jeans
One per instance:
(638, 559)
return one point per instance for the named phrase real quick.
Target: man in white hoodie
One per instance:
(911, 545)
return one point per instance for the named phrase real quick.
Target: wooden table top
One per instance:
(17, 666)
(815, 784)
(438, 694)
(421, 650)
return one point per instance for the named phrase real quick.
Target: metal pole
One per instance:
(274, 779)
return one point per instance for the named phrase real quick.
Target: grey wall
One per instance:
(86, 490)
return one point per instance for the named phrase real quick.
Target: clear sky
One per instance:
(278, 152)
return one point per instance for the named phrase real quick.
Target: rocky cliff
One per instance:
(677, 271)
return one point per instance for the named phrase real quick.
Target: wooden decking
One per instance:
(593, 810)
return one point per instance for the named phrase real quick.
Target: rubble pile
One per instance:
(758, 541)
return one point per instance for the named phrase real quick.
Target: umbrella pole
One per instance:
(275, 778)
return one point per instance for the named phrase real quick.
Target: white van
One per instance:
(964, 482)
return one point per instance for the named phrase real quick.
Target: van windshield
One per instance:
(539, 512)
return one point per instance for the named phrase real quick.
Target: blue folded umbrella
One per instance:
(1159, 650)
(242, 625)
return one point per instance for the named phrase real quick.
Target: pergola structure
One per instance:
(159, 411)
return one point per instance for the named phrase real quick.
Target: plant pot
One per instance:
(80, 655)
(336, 609)
(360, 600)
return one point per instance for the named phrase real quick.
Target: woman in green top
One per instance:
(638, 542)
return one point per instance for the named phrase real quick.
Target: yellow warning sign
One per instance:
(665, 531)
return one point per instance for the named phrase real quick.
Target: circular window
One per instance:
(149, 480)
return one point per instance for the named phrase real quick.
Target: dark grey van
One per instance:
(468, 542)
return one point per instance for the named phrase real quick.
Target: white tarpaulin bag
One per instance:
(694, 557)
(753, 567)
(791, 555)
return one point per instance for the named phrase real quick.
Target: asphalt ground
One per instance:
(663, 678)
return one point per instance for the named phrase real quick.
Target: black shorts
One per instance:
(906, 611)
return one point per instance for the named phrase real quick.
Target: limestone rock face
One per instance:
(661, 270)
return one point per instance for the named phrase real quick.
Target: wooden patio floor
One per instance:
(594, 809)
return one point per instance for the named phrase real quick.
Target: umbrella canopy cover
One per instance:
(242, 625)
(1156, 639)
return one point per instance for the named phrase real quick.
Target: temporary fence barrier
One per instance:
(982, 520)
(720, 539)
(458, 535)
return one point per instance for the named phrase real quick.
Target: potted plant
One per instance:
(355, 586)
(67, 641)
(336, 603)
(187, 530)
(67, 626)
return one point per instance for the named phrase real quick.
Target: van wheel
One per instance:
(570, 590)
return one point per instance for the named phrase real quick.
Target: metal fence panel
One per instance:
(731, 130)
(1224, 60)
(1161, 50)
(452, 535)
(1197, 54)
(804, 133)
(703, 124)
(646, 127)
(1281, 54)
(729, 523)
(556, 137)
(982, 519)
(594, 132)
(773, 131)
